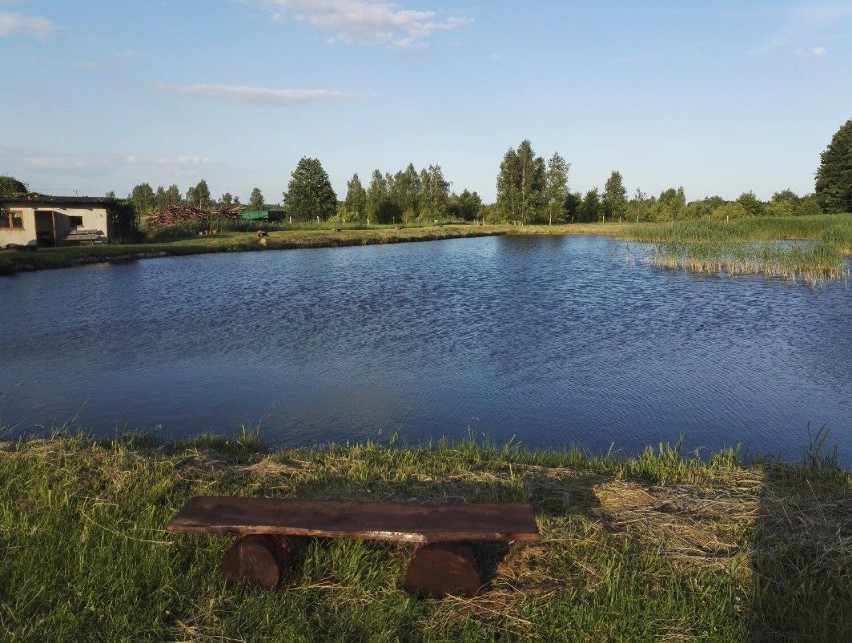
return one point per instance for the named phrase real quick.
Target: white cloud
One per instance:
(29, 25)
(183, 161)
(115, 60)
(55, 163)
(814, 52)
(367, 22)
(258, 95)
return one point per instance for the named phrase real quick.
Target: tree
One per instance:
(751, 203)
(143, 199)
(356, 198)
(520, 184)
(556, 188)
(466, 206)
(202, 194)
(434, 193)
(377, 194)
(309, 193)
(10, 186)
(615, 197)
(226, 200)
(405, 191)
(733, 210)
(671, 205)
(256, 200)
(834, 176)
(172, 195)
(782, 204)
(573, 201)
(591, 209)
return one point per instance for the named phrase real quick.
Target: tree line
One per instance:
(529, 190)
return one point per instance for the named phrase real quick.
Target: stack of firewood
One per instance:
(181, 212)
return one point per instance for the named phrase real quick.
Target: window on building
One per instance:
(11, 219)
(75, 221)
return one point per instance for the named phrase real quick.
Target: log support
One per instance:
(260, 560)
(438, 569)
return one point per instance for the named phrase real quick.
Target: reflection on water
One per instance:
(554, 340)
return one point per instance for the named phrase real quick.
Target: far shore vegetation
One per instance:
(669, 544)
(533, 196)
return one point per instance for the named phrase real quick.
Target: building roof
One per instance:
(36, 200)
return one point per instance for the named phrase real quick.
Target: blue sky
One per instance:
(719, 97)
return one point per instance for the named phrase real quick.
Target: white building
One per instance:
(40, 220)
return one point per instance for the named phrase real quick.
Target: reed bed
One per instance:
(666, 545)
(817, 253)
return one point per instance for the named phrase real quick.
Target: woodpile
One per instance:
(181, 212)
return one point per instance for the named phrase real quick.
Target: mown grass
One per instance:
(666, 545)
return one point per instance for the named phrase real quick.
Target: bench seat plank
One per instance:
(371, 520)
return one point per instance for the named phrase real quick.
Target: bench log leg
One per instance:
(438, 569)
(260, 559)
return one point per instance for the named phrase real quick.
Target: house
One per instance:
(41, 220)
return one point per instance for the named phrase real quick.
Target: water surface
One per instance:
(551, 340)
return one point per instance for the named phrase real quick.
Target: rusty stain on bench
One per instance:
(271, 532)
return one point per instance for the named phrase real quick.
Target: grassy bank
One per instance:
(665, 545)
(13, 261)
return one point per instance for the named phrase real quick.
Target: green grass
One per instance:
(666, 545)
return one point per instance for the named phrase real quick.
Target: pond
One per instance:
(549, 341)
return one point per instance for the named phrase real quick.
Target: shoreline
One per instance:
(673, 237)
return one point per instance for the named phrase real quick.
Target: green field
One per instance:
(663, 546)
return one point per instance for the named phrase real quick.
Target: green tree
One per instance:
(834, 175)
(255, 203)
(377, 195)
(642, 207)
(556, 188)
(309, 193)
(703, 208)
(782, 204)
(573, 202)
(728, 211)
(172, 195)
(202, 195)
(356, 198)
(226, 200)
(405, 191)
(591, 209)
(434, 193)
(520, 184)
(466, 206)
(143, 199)
(10, 186)
(752, 204)
(615, 197)
(671, 205)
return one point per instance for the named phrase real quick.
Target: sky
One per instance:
(717, 97)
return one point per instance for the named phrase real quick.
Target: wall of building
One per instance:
(92, 219)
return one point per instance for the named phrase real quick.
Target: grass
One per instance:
(665, 545)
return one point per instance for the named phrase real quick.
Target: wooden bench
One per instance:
(270, 533)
